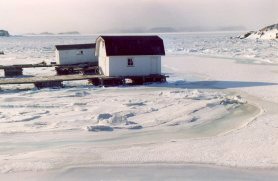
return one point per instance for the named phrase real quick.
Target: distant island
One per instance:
(168, 29)
(4, 33)
(46, 33)
(267, 33)
(50, 34)
(69, 33)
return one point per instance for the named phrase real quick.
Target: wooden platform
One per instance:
(97, 80)
(43, 65)
(32, 80)
(17, 70)
(46, 81)
(25, 66)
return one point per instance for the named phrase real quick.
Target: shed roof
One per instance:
(133, 45)
(75, 46)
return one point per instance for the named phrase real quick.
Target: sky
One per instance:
(95, 16)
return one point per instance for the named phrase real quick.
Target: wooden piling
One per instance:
(111, 81)
(13, 71)
(49, 84)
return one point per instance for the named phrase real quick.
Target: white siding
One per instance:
(143, 65)
(57, 56)
(103, 60)
(74, 56)
(104, 65)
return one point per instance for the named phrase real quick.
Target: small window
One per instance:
(130, 62)
(80, 52)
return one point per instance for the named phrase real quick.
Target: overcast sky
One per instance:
(92, 16)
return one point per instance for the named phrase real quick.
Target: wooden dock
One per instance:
(25, 66)
(32, 80)
(17, 70)
(44, 65)
(46, 81)
(97, 80)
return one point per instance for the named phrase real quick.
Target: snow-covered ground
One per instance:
(212, 110)
(223, 45)
(108, 109)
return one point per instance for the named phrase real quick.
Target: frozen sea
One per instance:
(27, 49)
(219, 108)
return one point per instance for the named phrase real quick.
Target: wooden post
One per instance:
(95, 81)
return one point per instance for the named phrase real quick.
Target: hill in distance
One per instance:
(4, 33)
(266, 33)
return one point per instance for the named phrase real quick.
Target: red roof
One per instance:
(133, 45)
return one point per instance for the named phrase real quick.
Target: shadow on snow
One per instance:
(212, 84)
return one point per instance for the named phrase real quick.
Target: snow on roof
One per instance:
(133, 45)
(75, 46)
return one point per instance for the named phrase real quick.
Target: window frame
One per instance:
(130, 62)
(80, 52)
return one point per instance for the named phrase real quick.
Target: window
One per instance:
(80, 52)
(130, 62)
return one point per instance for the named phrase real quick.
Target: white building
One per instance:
(129, 55)
(75, 54)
